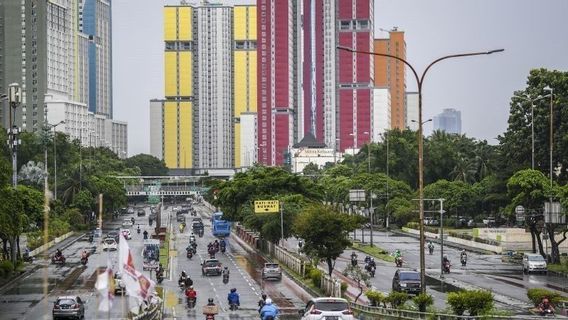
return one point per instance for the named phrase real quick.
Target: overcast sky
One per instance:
(534, 34)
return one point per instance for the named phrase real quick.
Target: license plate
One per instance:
(332, 318)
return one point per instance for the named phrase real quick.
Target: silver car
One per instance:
(68, 307)
(271, 271)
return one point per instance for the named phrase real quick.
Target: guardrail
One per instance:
(367, 312)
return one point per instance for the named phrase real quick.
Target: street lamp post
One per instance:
(532, 101)
(13, 130)
(54, 127)
(419, 82)
(548, 88)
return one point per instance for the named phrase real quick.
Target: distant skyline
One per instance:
(480, 87)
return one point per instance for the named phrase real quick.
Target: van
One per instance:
(534, 262)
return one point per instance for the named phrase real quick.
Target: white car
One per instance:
(126, 233)
(127, 223)
(327, 309)
(110, 244)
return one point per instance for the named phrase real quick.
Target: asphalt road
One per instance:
(25, 298)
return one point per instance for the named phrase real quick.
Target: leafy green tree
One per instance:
(32, 203)
(402, 210)
(325, 232)
(459, 196)
(11, 217)
(311, 169)
(84, 201)
(516, 141)
(114, 195)
(530, 188)
(360, 277)
(148, 164)
(260, 183)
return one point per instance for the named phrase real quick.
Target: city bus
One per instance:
(220, 227)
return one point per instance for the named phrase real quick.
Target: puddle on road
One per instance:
(440, 286)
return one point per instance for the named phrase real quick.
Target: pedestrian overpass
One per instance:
(158, 186)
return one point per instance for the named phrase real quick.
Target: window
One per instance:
(345, 25)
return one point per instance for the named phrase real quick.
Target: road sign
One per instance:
(356, 195)
(262, 206)
(519, 210)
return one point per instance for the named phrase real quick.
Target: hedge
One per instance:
(537, 294)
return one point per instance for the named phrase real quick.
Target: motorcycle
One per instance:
(372, 272)
(58, 259)
(84, 260)
(431, 250)
(446, 268)
(367, 259)
(159, 277)
(463, 262)
(398, 262)
(209, 316)
(223, 249)
(547, 312)
(191, 303)
(138, 230)
(234, 307)
(91, 238)
(189, 254)
(225, 278)
(353, 261)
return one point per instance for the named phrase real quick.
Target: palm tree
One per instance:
(464, 170)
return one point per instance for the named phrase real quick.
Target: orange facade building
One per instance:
(391, 73)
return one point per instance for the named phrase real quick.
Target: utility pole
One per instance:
(281, 223)
(13, 130)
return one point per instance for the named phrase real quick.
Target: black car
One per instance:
(141, 212)
(406, 281)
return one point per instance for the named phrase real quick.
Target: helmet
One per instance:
(191, 287)
(210, 300)
(226, 267)
(264, 296)
(268, 301)
(234, 290)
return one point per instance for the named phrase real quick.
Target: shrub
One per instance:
(344, 287)
(315, 275)
(537, 294)
(479, 301)
(423, 301)
(457, 302)
(476, 301)
(396, 299)
(6, 268)
(375, 297)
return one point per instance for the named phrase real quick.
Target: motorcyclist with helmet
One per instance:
(269, 311)
(233, 299)
(545, 307)
(463, 257)
(191, 295)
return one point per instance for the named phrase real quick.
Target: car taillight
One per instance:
(347, 312)
(76, 306)
(56, 307)
(315, 311)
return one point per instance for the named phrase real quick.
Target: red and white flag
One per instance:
(135, 283)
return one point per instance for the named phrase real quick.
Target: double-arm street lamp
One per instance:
(532, 101)
(419, 82)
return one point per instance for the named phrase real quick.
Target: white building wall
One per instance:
(248, 146)
(303, 156)
(156, 128)
(329, 67)
(412, 110)
(380, 113)
(215, 44)
(119, 138)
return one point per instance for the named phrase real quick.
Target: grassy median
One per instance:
(165, 252)
(373, 251)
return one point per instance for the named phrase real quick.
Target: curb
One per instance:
(446, 243)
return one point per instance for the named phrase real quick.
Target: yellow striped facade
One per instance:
(244, 59)
(177, 116)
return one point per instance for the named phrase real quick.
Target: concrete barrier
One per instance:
(46, 246)
(459, 241)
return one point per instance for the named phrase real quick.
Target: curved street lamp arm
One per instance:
(455, 56)
(384, 55)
